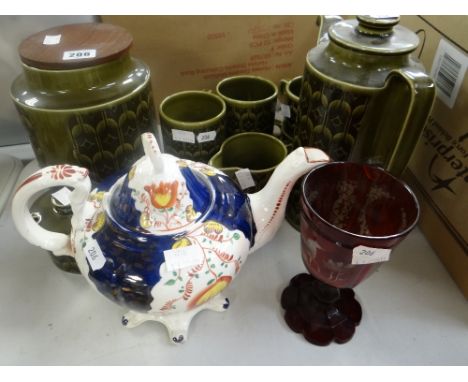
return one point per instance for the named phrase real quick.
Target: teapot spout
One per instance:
(269, 204)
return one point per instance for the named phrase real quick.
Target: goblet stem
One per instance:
(322, 313)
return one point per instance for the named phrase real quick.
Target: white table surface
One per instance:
(413, 314)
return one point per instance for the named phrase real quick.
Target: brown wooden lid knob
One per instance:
(75, 46)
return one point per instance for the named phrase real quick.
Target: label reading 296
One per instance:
(79, 54)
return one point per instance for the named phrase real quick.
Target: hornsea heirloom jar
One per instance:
(83, 99)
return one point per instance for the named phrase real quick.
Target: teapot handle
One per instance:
(52, 176)
(422, 96)
(324, 23)
(283, 85)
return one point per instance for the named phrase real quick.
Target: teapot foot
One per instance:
(177, 324)
(320, 312)
(218, 303)
(133, 319)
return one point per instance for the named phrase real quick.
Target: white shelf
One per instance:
(10, 169)
(23, 151)
(413, 314)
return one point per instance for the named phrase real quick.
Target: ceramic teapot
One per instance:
(364, 96)
(167, 237)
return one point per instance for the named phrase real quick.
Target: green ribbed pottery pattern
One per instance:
(92, 117)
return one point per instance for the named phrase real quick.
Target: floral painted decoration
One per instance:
(164, 195)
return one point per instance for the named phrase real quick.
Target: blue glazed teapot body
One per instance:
(166, 238)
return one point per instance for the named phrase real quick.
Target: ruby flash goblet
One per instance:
(352, 217)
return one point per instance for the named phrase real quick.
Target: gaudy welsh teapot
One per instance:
(167, 237)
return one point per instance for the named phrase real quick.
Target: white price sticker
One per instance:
(244, 177)
(207, 136)
(52, 39)
(183, 257)
(78, 54)
(285, 110)
(94, 255)
(448, 71)
(62, 196)
(183, 136)
(369, 255)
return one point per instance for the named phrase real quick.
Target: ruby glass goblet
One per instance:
(352, 217)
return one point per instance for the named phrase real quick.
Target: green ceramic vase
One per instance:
(250, 104)
(258, 153)
(192, 124)
(290, 91)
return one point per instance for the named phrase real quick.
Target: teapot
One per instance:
(364, 96)
(166, 238)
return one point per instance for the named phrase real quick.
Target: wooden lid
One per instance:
(75, 46)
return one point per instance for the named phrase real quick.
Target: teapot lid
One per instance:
(374, 34)
(160, 195)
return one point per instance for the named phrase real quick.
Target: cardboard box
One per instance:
(195, 52)
(438, 170)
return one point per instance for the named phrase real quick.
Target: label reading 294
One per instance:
(79, 54)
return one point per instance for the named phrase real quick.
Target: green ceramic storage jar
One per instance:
(83, 99)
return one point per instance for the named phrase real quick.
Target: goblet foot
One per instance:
(320, 312)
(177, 324)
